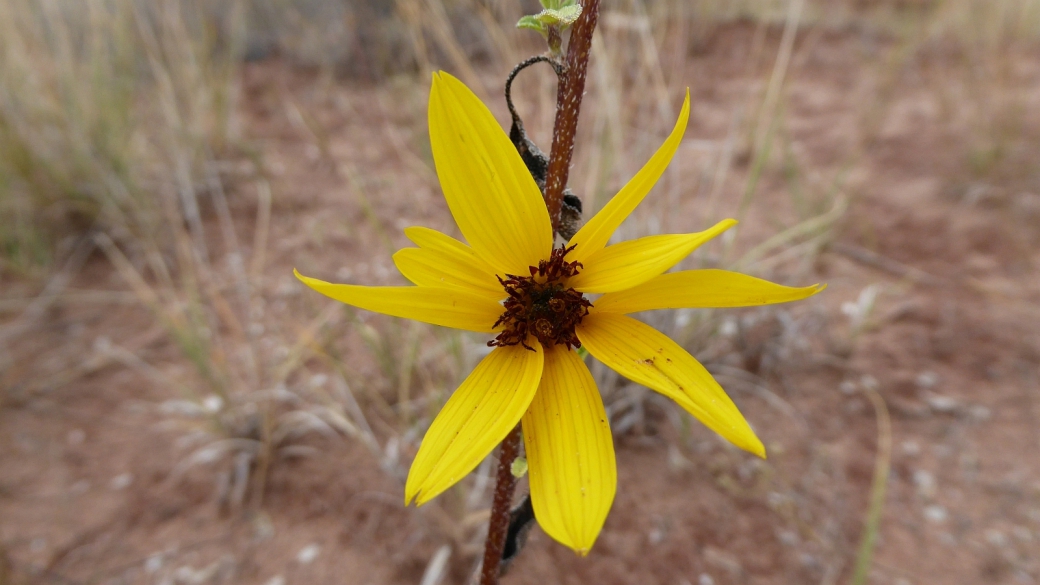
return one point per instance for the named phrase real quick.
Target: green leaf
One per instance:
(558, 13)
(563, 17)
(532, 23)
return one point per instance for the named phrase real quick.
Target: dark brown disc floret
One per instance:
(542, 305)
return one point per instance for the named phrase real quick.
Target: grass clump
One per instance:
(105, 106)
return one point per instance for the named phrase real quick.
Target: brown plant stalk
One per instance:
(498, 524)
(568, 105)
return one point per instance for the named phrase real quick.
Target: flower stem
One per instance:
(568, 105)
(498, 525)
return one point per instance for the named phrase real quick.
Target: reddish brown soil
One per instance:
(953, 346)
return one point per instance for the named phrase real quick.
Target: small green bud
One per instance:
(557, 4)
(519, 467)
(561, 17)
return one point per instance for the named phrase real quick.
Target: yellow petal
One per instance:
(489, 191)
(430, 239)
(692, 289)
(648, 357)
(447, 307)
(595, 234)
(481, 412)
(570, 452)
(437, 269)
(632, 263)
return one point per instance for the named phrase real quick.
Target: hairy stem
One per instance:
(568, 105)
(498, 525)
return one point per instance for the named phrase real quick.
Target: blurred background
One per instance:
(175, 408)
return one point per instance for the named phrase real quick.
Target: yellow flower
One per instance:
(511, 282)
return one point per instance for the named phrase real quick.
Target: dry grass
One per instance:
(105, 103)
(107, 111)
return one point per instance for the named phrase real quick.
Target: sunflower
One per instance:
(511, 282)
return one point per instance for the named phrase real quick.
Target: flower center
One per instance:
(542, 305)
